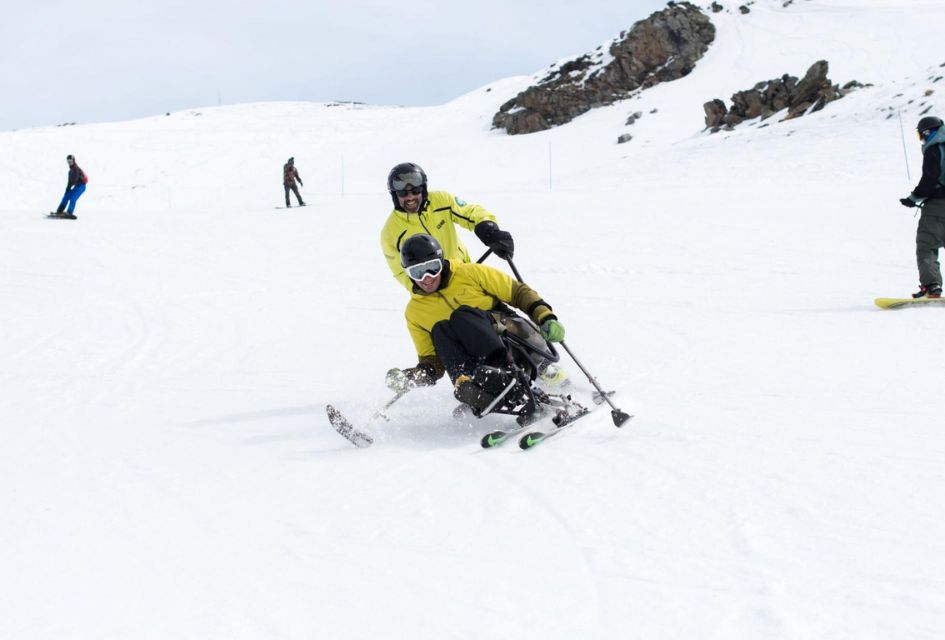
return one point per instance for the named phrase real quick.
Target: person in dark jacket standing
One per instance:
(75, 187)
(289, 175)
(930, 195)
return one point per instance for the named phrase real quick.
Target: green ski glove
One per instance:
(552, 330)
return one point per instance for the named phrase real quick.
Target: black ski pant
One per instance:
(467, 340)
(295, 190)
(929, 237)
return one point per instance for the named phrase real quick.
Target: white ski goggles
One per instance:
(430, 268)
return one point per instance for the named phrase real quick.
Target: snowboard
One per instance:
(898, 303)
(66, 216)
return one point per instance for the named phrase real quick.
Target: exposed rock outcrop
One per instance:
(809, 94)
(663, 47)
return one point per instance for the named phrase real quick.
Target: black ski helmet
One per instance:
(403, 175)
(927, 125)
(419, 248)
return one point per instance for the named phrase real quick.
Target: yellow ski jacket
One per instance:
(473, 285)
(438, 218)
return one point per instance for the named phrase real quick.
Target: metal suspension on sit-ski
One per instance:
(566, 413)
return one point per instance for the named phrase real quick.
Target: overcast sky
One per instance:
(101, 60)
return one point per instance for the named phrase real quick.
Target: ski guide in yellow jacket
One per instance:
(442, 211)
(471, 284)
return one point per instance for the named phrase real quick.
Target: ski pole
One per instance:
(380, 412)
(905, 152)
(618, 416)
(518, 276)
(484, 256)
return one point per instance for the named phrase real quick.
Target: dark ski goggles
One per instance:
(430, 268)
(401, 181)
(410, 189)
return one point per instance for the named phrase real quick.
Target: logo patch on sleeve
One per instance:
(460, 202)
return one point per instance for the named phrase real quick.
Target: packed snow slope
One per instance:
(168, 470)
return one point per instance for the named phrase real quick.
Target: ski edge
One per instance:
(533, 438)
(347, 430)
(898, 303)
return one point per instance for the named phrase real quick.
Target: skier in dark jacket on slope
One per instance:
(289, 175)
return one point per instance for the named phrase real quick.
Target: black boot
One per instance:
(486, 384)
(468, 392)
(493, 380)
(930, 291)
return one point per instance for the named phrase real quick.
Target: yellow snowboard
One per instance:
(897, 303)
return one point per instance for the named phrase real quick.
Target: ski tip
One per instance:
(529, 440)
(493, 439)
(344, 428)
